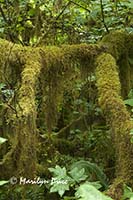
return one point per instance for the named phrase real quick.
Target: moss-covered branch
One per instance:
(24, 127)
(118, 118)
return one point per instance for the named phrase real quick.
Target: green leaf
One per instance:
(78, 175)
(89, 192)
(96, 184)
(129, 102)
(61, 181)
(2, 140)
(60, 187)
(3, 182)
(58, 171)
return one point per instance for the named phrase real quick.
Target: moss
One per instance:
(51, 71)
(116, 190)
(25, 127)
(24, 122)
(119, 44)
(10, 64)
(58, 68)
(117, 116)
(115, 43)
(61, 66)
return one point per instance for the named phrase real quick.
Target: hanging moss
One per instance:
(59, 73)
(26, 111)
(23, 150)
(118, 118)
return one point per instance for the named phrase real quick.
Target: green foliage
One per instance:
(60, 182)
(79, 172)
(33, 193)
(129, 102)
(78, 175)
(60, 188)
(57, 22)
(87, 191)
(19, 192)
(128, 193)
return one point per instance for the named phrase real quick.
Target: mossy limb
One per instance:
(117, 116)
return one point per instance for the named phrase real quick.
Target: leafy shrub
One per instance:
(79, 172)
